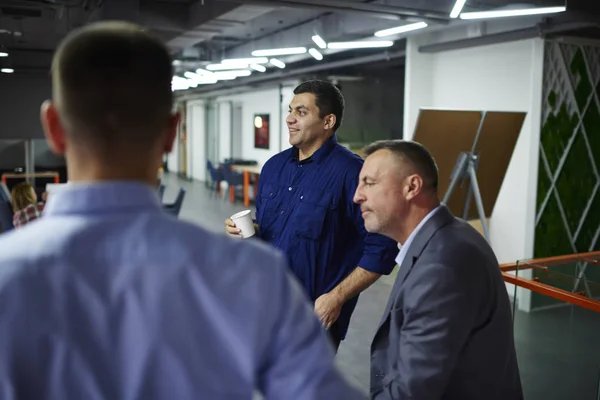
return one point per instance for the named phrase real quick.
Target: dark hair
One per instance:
(328, 98)
(112, 84)
(415, 154)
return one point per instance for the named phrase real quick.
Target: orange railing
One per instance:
(543, 264)
(50, 174)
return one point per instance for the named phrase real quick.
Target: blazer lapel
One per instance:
(442, 217)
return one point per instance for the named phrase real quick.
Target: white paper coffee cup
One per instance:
(243, 221)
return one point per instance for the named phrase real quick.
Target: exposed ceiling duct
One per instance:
(365, 9)
(225, 15)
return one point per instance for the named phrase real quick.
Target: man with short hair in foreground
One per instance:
(447, 330)
(108, 297)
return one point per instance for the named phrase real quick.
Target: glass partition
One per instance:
(557, 325)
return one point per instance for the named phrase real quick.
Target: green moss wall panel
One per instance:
(568, 191)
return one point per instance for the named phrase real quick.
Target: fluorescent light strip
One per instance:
(360, 45)
(228, 75)
(277, 63)
(7, 70)
(192, 80)
(225, 67)
(319, 41)
(279, 52)
(512, 13)
(401, 29)
(457, 9)
(315, 53)
(190, 75)
(253, 60)
(258, 67)
(3, 54)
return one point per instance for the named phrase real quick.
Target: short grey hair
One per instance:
(415, 154)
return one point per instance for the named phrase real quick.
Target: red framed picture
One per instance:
(261, 131)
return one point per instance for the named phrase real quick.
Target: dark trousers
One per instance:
(334, 335)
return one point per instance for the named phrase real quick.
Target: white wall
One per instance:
(265, 101)
(501, 77)
(173, 157)
(196, 131)
(287, 94)
(225, 120)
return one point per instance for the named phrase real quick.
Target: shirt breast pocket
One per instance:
(269, 201)
(312, 211)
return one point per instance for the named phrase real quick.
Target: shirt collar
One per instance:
(318, 155)
(102, 197)
(404, 247)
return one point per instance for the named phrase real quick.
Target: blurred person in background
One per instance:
(26, 206)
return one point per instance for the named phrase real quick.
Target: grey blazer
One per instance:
(447, 329)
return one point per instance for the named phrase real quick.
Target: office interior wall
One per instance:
(501, 77)
(225, 130)
(374, 108)
(196, 131)
(21, 97)
(264, 101)
(173, 156)
(12, 155)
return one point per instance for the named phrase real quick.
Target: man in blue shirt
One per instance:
(108, 297)
(305, 207)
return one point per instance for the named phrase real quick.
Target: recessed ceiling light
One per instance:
(7, 70)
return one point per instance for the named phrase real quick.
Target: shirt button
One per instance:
(281, 212)
(290, 188)
(301, 197)
(271, 194)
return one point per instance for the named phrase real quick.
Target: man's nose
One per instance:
(358, 196)
(290, 119)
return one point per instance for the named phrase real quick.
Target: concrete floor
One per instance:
(558, 350)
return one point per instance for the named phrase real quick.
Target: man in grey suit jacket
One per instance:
(447, 329)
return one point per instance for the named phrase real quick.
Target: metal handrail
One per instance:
(534, 285)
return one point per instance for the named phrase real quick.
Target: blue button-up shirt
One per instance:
(107, 297)
(306, 209)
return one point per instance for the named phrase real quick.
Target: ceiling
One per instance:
(206, 31)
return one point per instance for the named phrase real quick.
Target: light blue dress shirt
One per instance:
(107, 297)
(404, 247)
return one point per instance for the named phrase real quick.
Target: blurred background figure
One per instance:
(25, 204)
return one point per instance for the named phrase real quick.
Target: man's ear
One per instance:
(330, 121)
(172, 132)
(53, 129)
(414, 186)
